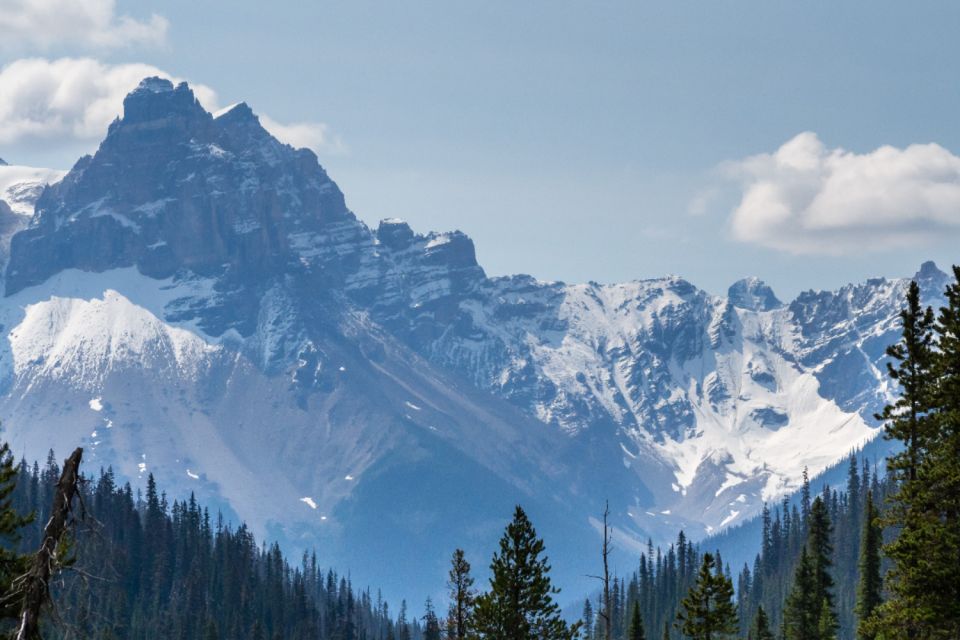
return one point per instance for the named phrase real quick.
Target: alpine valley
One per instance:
(196, 301)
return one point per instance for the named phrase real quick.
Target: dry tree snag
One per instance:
(35, 584)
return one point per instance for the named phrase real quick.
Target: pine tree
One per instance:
(939, 571)
(821, 552)
(635, 630)
(431, 625)
(924, 581)
(587, 619)
(708, 612)
(870, 584)
(519, 605)
(403, 627)
(827, 624)
(760, 630)
(12, 564)
(462, 597)
(912, 358)
(801, 615)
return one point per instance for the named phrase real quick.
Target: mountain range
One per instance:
(196, 300)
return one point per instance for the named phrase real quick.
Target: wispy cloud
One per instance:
(805, 198)
(313, 135)
(89, 24)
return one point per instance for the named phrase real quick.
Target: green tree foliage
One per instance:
(462, 597)
(809, 610)
(519, 605)
(924, 581)
(188, 577)
(708, 612)
(870, 581)
(760, 629)
(12, 522)
(431, 624)
(635, 630)
(802, 609)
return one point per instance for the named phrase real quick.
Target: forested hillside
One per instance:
(148, 569)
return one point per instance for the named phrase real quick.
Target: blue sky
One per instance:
(577, 141)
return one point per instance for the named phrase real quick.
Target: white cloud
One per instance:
(313, 135)
(807, 199)
(69, 100)
(45, 24)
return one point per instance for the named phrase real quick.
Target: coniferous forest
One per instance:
(876, 559)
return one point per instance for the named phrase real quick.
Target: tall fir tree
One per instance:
(520, 605)
(911, 367)
(760, 629)
(821, 553)
(708, 612)
(12, 563)
(431, 624)
(869, 588)
(462, 597)
(635, 630)
(924, 513)
(801, 615)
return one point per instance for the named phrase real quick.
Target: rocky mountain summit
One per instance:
(196, 300)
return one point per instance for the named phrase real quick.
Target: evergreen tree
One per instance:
(924, 581)
(12, 563)
(708, 612)
(587, 619)
(462, 597)
(939, 571)
(403, 627)
(802, 611)
(635, 630)
(912, 360)
(870, 584)
(519, 605)
(821, 552)
(827, 624)
(760, 630)
(431, 625)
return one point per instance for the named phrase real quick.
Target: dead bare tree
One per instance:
(34, 586)
(605, 578)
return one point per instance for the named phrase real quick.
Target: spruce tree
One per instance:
(635, 630)
(708, 612)
(760, 630)
(431, 625)
(924, 581)
(870, 583)
(519, 605)
(801, 616)
(12, 564)
(939, 570)
(462, 597)
(821, 552)
(587, 619)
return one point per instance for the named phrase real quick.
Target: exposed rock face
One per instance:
(173, 188)
(196, 300)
